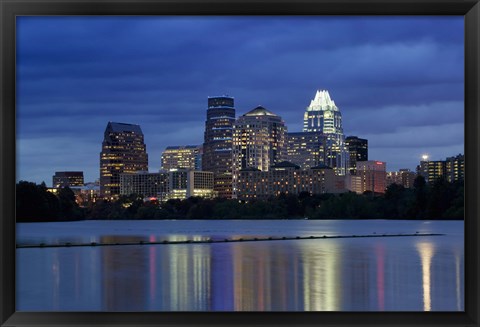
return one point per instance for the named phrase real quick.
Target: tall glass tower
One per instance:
(123, 152)
(217, 145)
(323, 116)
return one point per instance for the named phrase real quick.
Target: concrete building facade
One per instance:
(371, 176)
(258, 142)
(286, 178)
(67, 178)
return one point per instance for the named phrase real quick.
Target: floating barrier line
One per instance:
(209, 241)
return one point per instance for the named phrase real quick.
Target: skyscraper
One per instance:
(123, 151)
(305, 149)
(357, 151)
(322, 115)
(217, 146)
(258, 141)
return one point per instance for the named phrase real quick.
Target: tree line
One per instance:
(440, 200)
(34, 203)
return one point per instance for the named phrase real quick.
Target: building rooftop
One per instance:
(123, 127)
(250, 169)
(321, 167)
(178, 147)
(259, 111)
(322, 101)
(285, 164)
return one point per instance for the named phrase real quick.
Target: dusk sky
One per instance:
(398, 82)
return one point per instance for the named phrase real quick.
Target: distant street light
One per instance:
(425, 157)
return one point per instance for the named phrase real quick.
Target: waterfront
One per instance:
(356, 274)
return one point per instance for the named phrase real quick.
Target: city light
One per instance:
(425, 157)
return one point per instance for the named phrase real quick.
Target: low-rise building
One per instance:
(67, 178)
(145, 184)
(404, 177)
(286, 178)
(166, 185)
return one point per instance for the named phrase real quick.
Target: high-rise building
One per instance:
(322, 115)
(452, 169)
(123, 151)
(187, 157)
(217, 145)
(258, 141)
(371, 176)
(432, 170)
(305, 149)
(455, 168)
(357, 151)
(67, 178)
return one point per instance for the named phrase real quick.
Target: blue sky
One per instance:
(398, 81)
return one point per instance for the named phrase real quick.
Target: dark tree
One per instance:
(35, 203)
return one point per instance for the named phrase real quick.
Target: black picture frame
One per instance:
(9, 9)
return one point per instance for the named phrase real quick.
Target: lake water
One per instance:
(410, 273)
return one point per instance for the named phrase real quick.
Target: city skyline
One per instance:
(400, 86)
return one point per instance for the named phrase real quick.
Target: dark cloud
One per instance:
(392, 77)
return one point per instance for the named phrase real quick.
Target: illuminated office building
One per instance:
(187, 183)
(123, 151)
(305, 149)
(357, 149)
(217, 145)
(322, 115)
(178, 157)
(371, 176)
(145, 184)
(258, 141)
(165, 185)
(67, 178)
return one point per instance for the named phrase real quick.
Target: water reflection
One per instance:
(426, 252)
(458, 279)
(321, 278)
(306, 275)
(122, 280)
(380, 256)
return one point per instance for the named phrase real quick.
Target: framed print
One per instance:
(239, 163)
